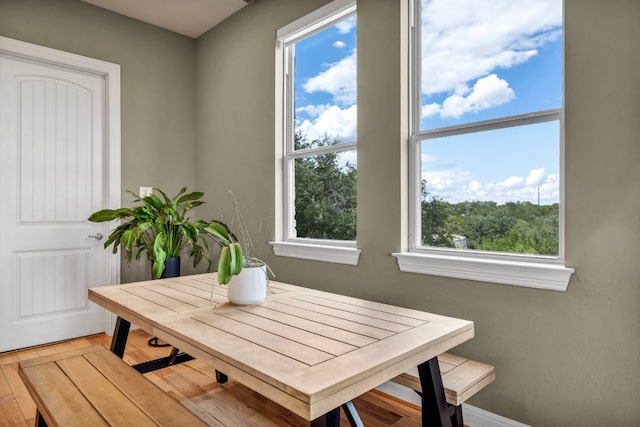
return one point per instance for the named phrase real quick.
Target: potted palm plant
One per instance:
(159, 228)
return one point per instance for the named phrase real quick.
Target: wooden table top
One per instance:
(308, 350)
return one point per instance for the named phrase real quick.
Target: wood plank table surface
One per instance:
(309, 351)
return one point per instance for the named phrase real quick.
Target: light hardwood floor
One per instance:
(194, 385)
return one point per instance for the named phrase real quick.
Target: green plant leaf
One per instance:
(224, 272)
(190, 197)
(136, 197)
(153, 201)
(167, 200)
(110, 214)
(220, 232)
(159, 255)
(128, 239)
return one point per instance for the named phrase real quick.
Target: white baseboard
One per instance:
(476, 417)
(473, 416)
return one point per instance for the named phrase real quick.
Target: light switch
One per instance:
(146, 191)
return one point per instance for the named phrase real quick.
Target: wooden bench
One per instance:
(461, 378)
(94, 387)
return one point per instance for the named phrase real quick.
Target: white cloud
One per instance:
(333, 121)
(338, 80)
(339, 44)
(489, 91)
(313, 110)
(445, 181)
(429, 110)
(509, 183)
(475, 185)
(535, 176)
(550, 189)
(457, 185)
(426, 157)
(347, 25)
(467, 40)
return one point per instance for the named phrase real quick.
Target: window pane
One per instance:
(483, 60)
(495, 190)
(325, 84)
(325, 196)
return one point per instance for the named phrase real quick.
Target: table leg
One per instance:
(120, 334)
(352, 414)
(221, 378)
(330, 419)
(434, 405)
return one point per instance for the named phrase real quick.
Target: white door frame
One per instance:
(111, 73)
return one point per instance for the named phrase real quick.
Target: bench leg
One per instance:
(40, 422)
(173, 355)
(120, 334)
(434, 405)
(456, 417)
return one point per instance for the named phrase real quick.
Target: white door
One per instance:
(52, 177)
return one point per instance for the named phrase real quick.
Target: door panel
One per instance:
(54, 124)
(51, 282)
(51, 179)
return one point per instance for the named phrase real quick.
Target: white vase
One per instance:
(248, 287)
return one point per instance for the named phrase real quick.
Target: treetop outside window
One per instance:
(487, 140)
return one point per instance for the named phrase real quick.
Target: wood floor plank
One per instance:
(10, 413)
(5, 387)
(18, 390)
(8, 358)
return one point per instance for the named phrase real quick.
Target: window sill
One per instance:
(324, 253)
(527, 274)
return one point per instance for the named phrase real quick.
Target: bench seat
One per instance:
(93, 387)
(461, 377)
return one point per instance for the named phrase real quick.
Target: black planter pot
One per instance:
(171, 268)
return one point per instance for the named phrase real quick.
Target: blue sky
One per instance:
(325, 80)
(481, 61)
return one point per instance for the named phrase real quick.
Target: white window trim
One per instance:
(341, 252)
(507, 272)
(517, 269)
(317, 252)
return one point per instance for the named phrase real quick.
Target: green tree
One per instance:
(434, 217)
(516, 227)
(485, 223)
(325, 193)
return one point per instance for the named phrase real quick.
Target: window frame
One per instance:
(536, 271)
(287, 243)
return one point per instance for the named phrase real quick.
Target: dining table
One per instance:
(309, 350)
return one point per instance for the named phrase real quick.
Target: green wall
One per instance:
(157, 91)
(562, 359)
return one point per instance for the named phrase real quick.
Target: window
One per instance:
(317, 124)
(486, 146)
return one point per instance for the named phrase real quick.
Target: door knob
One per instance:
(97, 236)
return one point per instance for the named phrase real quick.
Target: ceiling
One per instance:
(188, 17)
